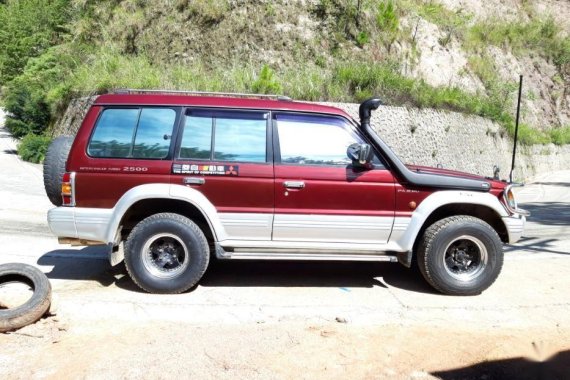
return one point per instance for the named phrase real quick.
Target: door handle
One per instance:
(194, 181)
(294, 184)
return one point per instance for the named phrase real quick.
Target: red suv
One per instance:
(166, 180)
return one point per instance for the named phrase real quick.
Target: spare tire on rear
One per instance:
(54, 167)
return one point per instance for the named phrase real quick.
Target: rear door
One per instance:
(319, 195)
(227, 156)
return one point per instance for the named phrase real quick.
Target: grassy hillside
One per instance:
(328, 50)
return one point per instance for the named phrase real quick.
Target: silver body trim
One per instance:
(267, 232)
(247, 226)
(332, 228)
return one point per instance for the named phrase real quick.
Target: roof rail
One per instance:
(200, 93)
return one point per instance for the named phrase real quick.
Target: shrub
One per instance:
(387, 18)
(266, 83)
(17, 128)
(27, 28)
(33, 148)
(362, 39)
(560, 136)
(29, 111)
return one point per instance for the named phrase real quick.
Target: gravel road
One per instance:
(287, 320)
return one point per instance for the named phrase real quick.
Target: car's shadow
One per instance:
(90, 264)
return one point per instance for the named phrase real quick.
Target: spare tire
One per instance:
(54, 167)
(34, 308)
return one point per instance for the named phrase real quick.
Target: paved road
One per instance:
(238, 292)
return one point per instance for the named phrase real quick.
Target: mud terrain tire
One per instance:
(54, 167)
(36, 306)
(460, 255)
(166, 253)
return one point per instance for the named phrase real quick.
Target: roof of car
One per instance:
(216, 101)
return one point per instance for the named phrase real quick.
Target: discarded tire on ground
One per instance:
(32, 309)
(54, 167)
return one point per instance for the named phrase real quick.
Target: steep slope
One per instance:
(461, 55)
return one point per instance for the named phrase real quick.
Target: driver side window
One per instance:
(315, 140)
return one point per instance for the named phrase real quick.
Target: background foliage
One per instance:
(53, 50)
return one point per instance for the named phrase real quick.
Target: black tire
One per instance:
(166, 253)
(36, 306)
(460, 255)
(54, 167)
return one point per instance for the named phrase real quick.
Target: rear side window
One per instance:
(225, 136)
(133, 133)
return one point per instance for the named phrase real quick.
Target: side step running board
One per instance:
(283, 255)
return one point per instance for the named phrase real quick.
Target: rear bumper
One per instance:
(515, 227)
(81, 223)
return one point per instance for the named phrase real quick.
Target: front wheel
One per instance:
(166, 253)
(460, 255)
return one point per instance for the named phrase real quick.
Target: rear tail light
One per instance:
(68, 189)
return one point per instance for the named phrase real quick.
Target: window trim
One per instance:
(175, 128)
(347, 126)
(220, 110)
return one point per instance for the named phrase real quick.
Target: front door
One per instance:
(227, 156)
(319, 195)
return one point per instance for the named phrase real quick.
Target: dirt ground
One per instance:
(161, 350)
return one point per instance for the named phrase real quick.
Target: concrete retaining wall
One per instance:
(427, 137)
(461, 142)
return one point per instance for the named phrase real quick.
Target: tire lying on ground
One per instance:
(54, 167)
(35, 307)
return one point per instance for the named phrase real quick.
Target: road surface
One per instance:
(284, 320)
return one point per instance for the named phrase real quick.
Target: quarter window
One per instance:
(133, 133)
(314, 140)
(113, 134)
(225, 136)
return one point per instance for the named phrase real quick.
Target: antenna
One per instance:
(516, 129)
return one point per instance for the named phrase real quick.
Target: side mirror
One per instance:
(360, 154)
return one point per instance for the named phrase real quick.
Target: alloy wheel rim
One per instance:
(165, 255)
(465, 258)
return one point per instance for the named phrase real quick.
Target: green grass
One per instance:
(347, 82)
(542, 36)
(560, 136)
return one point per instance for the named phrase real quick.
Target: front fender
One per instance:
(165, 191)
(406, 229)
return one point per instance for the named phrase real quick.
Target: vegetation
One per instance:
(33, 148)
(53, 51)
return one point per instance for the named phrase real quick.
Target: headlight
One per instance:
(511, 203)
(510, 198)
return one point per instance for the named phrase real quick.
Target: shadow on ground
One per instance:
(536, 245)
(313, 274)
(87, 264)
(69, 265)
(555, 367)
(565, 184)
(548, 213)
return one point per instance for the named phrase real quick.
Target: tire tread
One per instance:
(424, 250)
(157, 218)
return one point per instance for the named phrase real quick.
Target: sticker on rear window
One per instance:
(231, 170)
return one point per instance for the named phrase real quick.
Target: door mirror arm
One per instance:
(360, 154)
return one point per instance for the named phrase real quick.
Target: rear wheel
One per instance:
(460, 255)
(166, 253)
